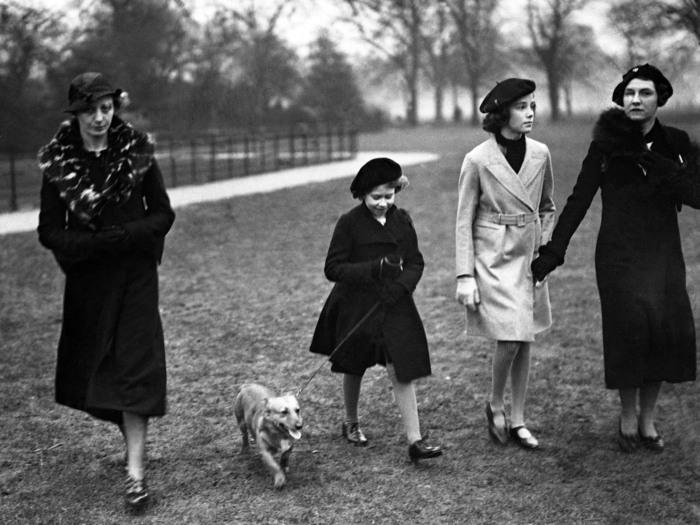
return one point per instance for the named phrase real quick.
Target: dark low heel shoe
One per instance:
(421, 450)
(627, 443)
(529, 442)
(498, 434)
(654, 444)
(353, 433)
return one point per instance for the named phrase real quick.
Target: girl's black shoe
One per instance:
(421, 450)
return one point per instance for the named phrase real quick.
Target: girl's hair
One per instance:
(397, 184)
(495, 120)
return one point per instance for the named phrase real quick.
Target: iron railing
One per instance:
(202, 158)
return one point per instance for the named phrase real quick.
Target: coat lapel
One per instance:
(501, 170)
(532, 165)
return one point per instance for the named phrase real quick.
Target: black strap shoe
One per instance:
(421, 450)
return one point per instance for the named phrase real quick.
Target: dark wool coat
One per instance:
(396, 329)
(111, 355)
(648, 326)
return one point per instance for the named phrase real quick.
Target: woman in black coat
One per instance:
(374, 259)
(104, 214)
(646, 171)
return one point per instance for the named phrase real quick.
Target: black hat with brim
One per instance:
(506, 92)
(374, 173)
(645, 71)
(87, 88)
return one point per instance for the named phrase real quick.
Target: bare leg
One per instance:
(628, 414)
(135, 429)
(648, 396)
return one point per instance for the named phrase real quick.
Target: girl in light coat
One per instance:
(505, 213)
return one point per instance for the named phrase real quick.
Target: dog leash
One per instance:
(354, 328)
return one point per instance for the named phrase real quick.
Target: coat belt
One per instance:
(520, 219)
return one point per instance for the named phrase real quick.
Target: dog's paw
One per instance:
(280, 480)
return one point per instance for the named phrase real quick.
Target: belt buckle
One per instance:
(520, 220)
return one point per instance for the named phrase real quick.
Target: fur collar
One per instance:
(64, 163)
(617, 135)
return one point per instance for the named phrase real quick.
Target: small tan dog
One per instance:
(274, 423)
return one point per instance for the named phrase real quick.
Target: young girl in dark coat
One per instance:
(104, 215)
(374, 259)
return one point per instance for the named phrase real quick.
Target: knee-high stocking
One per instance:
(405, 396)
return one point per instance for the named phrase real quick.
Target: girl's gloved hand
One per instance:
(468, 293)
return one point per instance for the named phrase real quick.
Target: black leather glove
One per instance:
(543, 265)
(661, 171)
(392, 292)
(110, 240)
(387, 268)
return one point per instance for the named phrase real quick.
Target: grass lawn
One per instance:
(241, 287)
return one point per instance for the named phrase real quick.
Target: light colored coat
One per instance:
(499, 255)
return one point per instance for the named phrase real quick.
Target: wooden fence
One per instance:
(201, 159)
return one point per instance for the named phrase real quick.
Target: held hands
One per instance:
(542, 266)
(468, 293)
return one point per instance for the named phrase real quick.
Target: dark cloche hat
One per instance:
(506, 92)
(86, 88)
(645, 71)
(374, 173)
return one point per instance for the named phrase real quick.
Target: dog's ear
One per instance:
(266, 404)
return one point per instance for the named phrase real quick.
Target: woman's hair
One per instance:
(662, 90)
(495, 120)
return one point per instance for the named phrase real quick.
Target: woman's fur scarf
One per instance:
(618, 136)
(64, 163)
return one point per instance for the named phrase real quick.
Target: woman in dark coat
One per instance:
(646, 171)
(104, 214)
(374, 259)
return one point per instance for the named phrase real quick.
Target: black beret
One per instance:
(645, 71)
(506, 92)
(374, 173)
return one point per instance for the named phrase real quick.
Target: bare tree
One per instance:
(550, 32)
(478, 39)
(639, 22)
(267, 66)
(141, 44)
(28, 41)
(685, 14)
(654, 32)
(395, 28)
(438, 48)
(585, 59)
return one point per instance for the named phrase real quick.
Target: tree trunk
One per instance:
(569, 99)
(439, 100)
(474, 90)
(553, 81)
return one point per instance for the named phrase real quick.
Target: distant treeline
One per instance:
(182, 78)
(234, 70)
